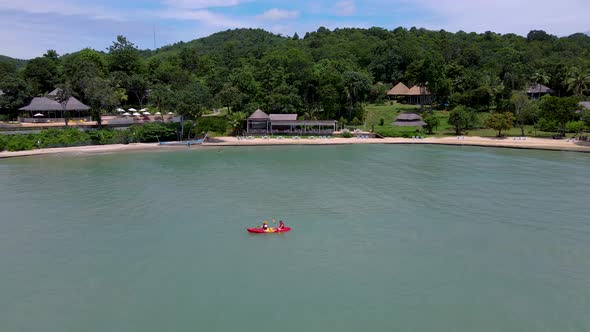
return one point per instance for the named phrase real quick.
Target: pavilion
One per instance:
(409, 120)
(415, 95)
(262, 123)
(43, 109)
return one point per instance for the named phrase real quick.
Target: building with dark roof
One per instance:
(43, 109)
(536, 90)
(262, 123)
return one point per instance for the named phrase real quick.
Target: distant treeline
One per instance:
(325, 75)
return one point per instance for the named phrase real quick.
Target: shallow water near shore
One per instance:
(409, 238)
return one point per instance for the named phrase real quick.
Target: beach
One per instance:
(515, 143)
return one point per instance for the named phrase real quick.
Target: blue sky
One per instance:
(29, 27)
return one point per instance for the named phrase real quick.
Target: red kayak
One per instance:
(269, 230)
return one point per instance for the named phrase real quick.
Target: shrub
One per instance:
(105, 136)
(62, 137)
(216, 124)
(347, 134)
(20, 143)
(3, 142)
(152, 132)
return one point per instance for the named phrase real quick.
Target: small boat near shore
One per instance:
(187, 143)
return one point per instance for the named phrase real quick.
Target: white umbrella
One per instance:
(120, 110)
(146, 113)
(132, 110)
(170, 113)
(136, 114)
(143, 109)
(38, 114)
(126, 114)
(158, 113)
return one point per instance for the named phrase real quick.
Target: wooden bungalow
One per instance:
(43, 109)
(409, 120)
(262, 123)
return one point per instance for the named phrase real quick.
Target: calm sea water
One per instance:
(385, 238)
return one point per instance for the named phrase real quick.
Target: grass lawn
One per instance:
(388, 112)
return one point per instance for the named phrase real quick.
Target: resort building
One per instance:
(536, 90)
(44, 110)
(414, 95)
(262, 123)
(409, 120)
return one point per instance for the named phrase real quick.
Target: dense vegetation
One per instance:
(325, 75)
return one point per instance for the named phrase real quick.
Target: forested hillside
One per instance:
(324, 74)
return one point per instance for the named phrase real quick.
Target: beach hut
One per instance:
(409, 120)
(258, 121)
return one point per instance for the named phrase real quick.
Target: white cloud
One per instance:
(201, 4)
(279, 14)
(507, 15)
(203, 16)
(345, 8)
(64, 8)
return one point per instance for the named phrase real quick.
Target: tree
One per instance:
(540, 78)
(41, 74)
(462, 118)
(190, 101)
(16, 93)
(230, 96)
(124, 56)
(432, 122)
(578, 81)
(80, 68)
(586, 117)
(523, 108)
(560, 110)
(500, 121)
(63, 97)
(139, 87)
(236, 121)
(100, 95)
(357, 86)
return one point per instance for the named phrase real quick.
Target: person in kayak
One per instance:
(264, 225)
(281, 224)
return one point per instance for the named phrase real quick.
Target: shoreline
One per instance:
(529, 143)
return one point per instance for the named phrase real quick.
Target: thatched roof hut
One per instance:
(419, 91)
(409, 120)
(399, 89)
(39, 104)
(75, 105)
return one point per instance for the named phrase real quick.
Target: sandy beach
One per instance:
(529, 143)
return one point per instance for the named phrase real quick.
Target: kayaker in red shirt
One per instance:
(281, 224)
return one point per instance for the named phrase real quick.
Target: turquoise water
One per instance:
(385, 238)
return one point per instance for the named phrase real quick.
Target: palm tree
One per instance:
(540, 78)
(577, 81)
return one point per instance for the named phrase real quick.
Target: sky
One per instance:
(29, 27)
